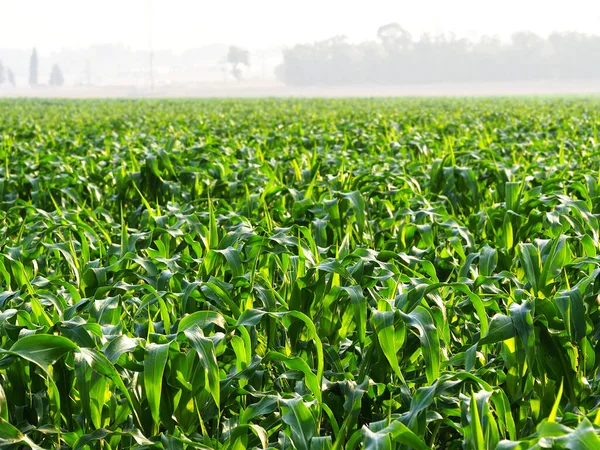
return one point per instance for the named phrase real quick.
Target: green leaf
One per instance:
(42, 349)
(530, 261)
(358, 204)
(201, 319)
(298, 417)
(359, 306)
(119, 346)
(477, 433)
(376, 441)
(98, 362)
(383, 324)
(11, 436)
(233, 259)
(521, 316)
(295, 363)
(553, 260)
(554, 411)
(501, 329)
(572, 309)
(398, 433)
(154, 367)
(421, 320)
(488, 259)
(103, 434)
(584, 437)
(208, 360)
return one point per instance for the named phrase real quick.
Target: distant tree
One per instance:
(33, 68)
(394, 37)
(2, 77)
(56, 76)
(238, 57)
(279, 72)
(11, 77)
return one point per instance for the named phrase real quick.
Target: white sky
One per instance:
(180, 24)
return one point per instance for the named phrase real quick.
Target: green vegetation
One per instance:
(377, 274)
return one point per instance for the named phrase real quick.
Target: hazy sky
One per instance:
(182, 24)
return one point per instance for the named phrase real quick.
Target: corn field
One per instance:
(300, 274)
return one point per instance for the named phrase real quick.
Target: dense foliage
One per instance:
(398, 58)
(378, 274)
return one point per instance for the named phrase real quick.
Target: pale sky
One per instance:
(182, 24)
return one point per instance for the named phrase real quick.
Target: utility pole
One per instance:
(151, 50)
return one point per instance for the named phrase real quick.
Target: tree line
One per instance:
(396, 58)
(56, 76)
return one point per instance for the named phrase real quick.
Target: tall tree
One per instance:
(33, 68)
(238, 57)
(11, 77)
(56, 76)
(2, 77)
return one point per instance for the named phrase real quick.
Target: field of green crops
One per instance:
(300, 274)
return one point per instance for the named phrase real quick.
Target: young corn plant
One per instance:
(300, 274)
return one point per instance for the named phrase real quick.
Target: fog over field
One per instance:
(311, 48)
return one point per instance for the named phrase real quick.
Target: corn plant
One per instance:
(300, 274)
